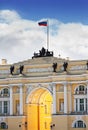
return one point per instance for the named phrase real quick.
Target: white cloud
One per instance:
(19, 38)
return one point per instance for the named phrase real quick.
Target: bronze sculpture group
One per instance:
(43, 53)
(20, 69)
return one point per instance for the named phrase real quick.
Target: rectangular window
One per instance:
(5, 106)
(76, 105)
(81, 104)
(0, 106)
(86, 104)
(80, 124)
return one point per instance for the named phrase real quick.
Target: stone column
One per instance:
(65, 98)
(78, 104)
(21, 100)
(74, 104)
(54, 98)
(11, 100)
(85, 104)
(2, 107)
(70, 98)
(87, 97)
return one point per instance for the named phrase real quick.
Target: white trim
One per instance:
(21, 100)
(5, 117)
(60, 82)
(65, 98)
(54, 98)
(87, 97)
(73, 123)
(70, 98)
(80, 96)
(11, 101)
(61, 76)
(4, 99)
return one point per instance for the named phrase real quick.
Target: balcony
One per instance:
(4, 114)
(79, 113)
(72, 113)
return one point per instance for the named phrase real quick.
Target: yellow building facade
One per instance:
(43, 97)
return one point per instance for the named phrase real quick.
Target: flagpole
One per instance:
(47, 35)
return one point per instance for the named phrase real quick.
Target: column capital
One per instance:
(87, 82)
(54, 84)
(20, 85)
(10, 85)
(65, 83)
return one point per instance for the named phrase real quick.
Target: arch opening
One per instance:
(39, 109)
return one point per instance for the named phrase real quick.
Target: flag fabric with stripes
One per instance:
(43, 23)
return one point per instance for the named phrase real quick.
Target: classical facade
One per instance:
(47, 93)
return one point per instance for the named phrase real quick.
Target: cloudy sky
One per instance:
(20, 35)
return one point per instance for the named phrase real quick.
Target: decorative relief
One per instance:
(49, 69)
(79, 67)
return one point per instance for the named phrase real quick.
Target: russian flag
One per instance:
(43, 23)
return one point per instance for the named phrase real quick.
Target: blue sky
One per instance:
(64, 10)
(19, 30)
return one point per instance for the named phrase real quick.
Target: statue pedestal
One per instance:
(10, 75)
(54, 73)
(20, 75)
(65, 72)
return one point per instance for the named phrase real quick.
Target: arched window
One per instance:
(81, 90)
(3, 125)
(4, 92)
(79, 124)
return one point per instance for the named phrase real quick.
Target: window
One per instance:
(5, 107)
(3, 125)
(4, 92)
(81, 90)
(81, 105)
(76, 105)
(0, 107)
(79, 124)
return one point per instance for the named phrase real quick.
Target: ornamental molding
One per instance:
(30, 88)
(4, 72)
(78, 67)
(49, 69)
